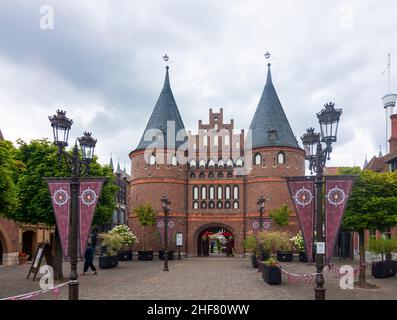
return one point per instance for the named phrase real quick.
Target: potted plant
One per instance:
(113, 243)
(22, 257)
(147, 218)
(271, 272)
(128, 240)
(280, 216)
(384, 247)
(300, 246)
(251, 245)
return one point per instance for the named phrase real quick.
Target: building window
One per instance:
(281, 158)
(195, 192)
(192, 175)
(174, 161)
(229, 163)
(227, 140)
(237, 145)
(386, 234)
(220, 175)
(202, 163)
(201, 175)
(194, 146)
(227, 192)
(227, 205)
(219, 205)
(215, 141)
(193, 164)
(258, 159)
(211, 163)
(195, 205)
(216, 126)
(212, 192)
(235, 192)
(235, 205)
(230, 174)
(239, 163)
(205, 141)
(203, 192)
(372, 234)
(152, 159)
(272, 135)
(221, 163)
(220, 192)
(211, 205)
(122, 216)
(211, 175)
(203, 205)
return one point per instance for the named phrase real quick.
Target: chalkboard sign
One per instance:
(43, 250)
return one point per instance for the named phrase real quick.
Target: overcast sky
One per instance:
(102, 63)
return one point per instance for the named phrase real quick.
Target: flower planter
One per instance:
(170, 254)
(271, 274)
(284, 256)
(383, 269)
(302, 256)
(106, 262)
(145, 255)
(254, 261)
(125, 255)
(23, 259)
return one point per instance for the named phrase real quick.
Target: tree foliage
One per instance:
(146, 215)
(373, 201)
(280, 215)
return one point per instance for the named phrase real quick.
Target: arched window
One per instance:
(220, 163)
(195, 205)
(216, 126)
(227, 140)
(239, 163)
(174, 161)
(195, 192)
(203, 192)
(211, 163)
(194, 146)
(201, 175)
(211, 205)
(219, 205)
(227, 205)
(227, 192)
(203, 205)
(220, 175)
(193, 163)
(192, 175)
(152, 159)
(281, 157)
(237, 145)
(205, 141)
(215, 140)
(258, 159)
(235, 192)
(229, 163)
(211, 192)
(235, 205)
(230, 174)
(211, 175)
(220, 193)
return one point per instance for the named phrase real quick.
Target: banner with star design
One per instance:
(337, 191)
(160, 223)
(255, 224)
(89, 191)
(301, 190)
(60, 199)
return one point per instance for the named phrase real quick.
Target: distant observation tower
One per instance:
(389, 101)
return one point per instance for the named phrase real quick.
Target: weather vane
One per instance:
(166, 58)
(267, 56)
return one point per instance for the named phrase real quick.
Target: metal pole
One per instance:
(319, 290)
(73, 278)
(166, 240)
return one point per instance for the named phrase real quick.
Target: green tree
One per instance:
(147, 217)
(40, 159)
(280, 215)
(372, 206)
(8, 189)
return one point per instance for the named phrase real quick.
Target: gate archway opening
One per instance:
(215, 241)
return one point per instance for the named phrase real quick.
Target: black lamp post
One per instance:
(317, 157)
(261, 209)
(61, 126)
(165, 203)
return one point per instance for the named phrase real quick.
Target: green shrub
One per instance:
(273, 241)
(112, 241)
(280, 215)
(250, 244)
(384, 247)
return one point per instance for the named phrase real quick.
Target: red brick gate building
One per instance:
(214, 178)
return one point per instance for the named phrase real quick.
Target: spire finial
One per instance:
(267, 57)
(380, 155)
(118, 164)
(166, 58)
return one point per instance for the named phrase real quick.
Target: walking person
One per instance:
(89, 260)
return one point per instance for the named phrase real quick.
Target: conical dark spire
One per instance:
(270, 126)
(1, 136)
(111, 162)
(118, 164)
(365, 162)
(164, 111)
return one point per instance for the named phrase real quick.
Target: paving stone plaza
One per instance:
(212, 278)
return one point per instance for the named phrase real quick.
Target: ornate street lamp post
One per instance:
(317, 157)
(261, 209)
(165, 203)
(61, 126)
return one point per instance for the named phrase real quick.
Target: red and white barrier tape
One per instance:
(32, 295)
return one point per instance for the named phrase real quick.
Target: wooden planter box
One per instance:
(170, 254)
(284, 256)
(125, 255)
(384, 269)
(106, 262)
(145, 255)
(271, 274)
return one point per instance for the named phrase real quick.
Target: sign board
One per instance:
(320, 249)
(179, 239)
(43, 250)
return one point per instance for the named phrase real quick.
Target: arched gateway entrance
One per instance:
(215, 240)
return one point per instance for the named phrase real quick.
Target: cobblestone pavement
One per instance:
(193, 278)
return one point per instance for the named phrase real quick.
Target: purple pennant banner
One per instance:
(60, 199)
(255, 224)
(301, 190)
(161, 226)
(337, 192)
(90, 189)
